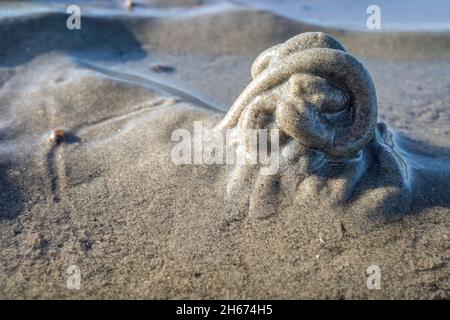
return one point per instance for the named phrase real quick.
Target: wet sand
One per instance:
(110, 200)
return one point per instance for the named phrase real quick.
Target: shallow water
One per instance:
(402, 15)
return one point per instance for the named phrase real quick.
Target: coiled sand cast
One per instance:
(323, 102)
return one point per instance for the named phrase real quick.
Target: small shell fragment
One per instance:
(57, 136)
(129, 4)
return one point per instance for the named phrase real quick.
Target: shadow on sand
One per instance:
(99, 38)
(11, 197)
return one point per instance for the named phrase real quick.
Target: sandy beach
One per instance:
(110, 200)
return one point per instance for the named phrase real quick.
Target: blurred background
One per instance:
(408, 15)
